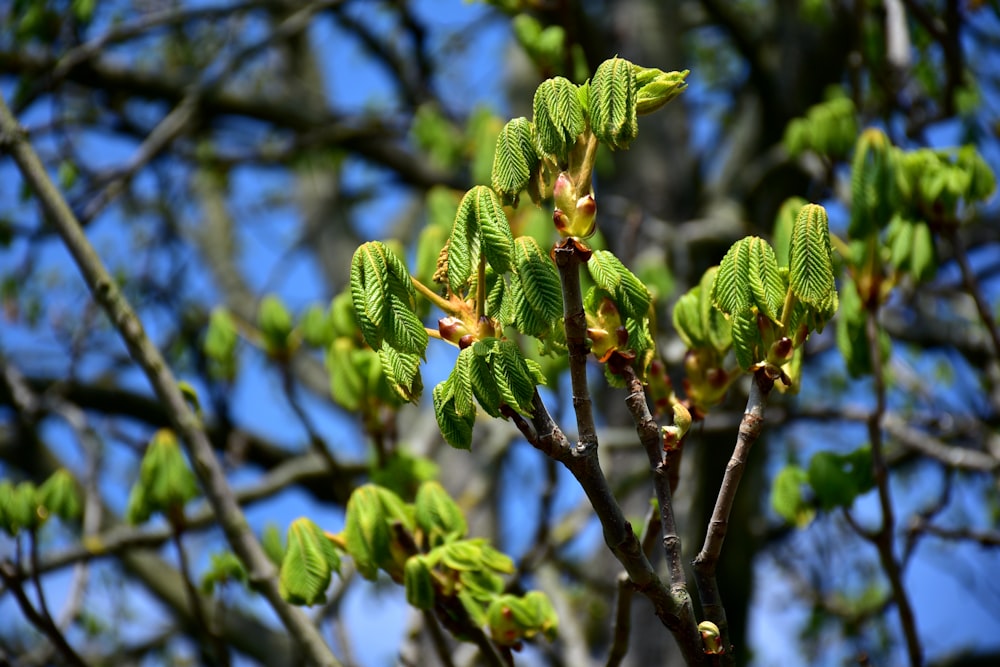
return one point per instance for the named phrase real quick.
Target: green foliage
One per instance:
(911, 248)
(873, 184)
(852, 338)
(515, 159)
(403, 473)
(316, 327)
(829, 128)
(837, 479)
(220, 344)
(223, 568)
(697, 321)
(385, 301)
(787, 498)
(557, 117)
(538, 299)
(748, 277)
(784, 223)
(612, 103)
(273, 546)
(655, 87)
(19, 507)
(437, 515)
(59, 496)
(165, 482)
(275, 324)
(437, 136)
(810, 261)
(481, 226)
(628, 292)
(424, 547)
(308, 563)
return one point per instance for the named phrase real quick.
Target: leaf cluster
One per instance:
(423, 546)
(165, 483)
(830, 481)
(29, 507)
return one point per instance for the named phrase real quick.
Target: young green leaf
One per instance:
(224, 567)
(766, 286)
(613, 103)
(558, 116)
(165, 481)
(810, 259)
(58, 495)
(370, 289)
(402, 373)
(438, 515)
(787, 499)
(687, 319)
(746, 339)
(513, 377)
(220, 344)
(873, 184)
(308, 563)
(515, 159)
(628, 292)
(784, 222)
(460, 381)
(316, 327)
(731, 292)
(539, 278)
(419, 583)
(654, 87)
(366, 530)
(456, 429)
(275, 323)
(273, 546)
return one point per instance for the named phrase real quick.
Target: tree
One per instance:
(702, 226)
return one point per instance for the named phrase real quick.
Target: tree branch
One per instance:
(105, 290)
(707, 561)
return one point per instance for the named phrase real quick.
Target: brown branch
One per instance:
(106, 292)
(649, 436)
(707, 561)
(569, 257)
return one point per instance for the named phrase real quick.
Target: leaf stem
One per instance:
(435, 298)
(707, 560)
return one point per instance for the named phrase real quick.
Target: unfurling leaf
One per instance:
(58, 495)
(481, 227)
(418, 582)
(402, 373)
(275, 324)
(220, 344)
(309, 560)
(539, 278)
(655, 87)
(873, 184)
(810, 259)
(438, 515)
(455, 428)
(515, 159)
(165, 482)
(385, 300)
(612, 103)
(746, 339)
(558, 116)
(610, 275)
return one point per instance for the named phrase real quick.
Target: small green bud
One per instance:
(711, 638)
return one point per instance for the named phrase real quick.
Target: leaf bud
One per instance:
(711, 638)
(452, 329)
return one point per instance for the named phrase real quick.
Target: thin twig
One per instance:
(8, 573)
(623, 622)
(262, 572)
(546, 436)
(972, 285)
(883, 539)
(216, 648)
(707, 561)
